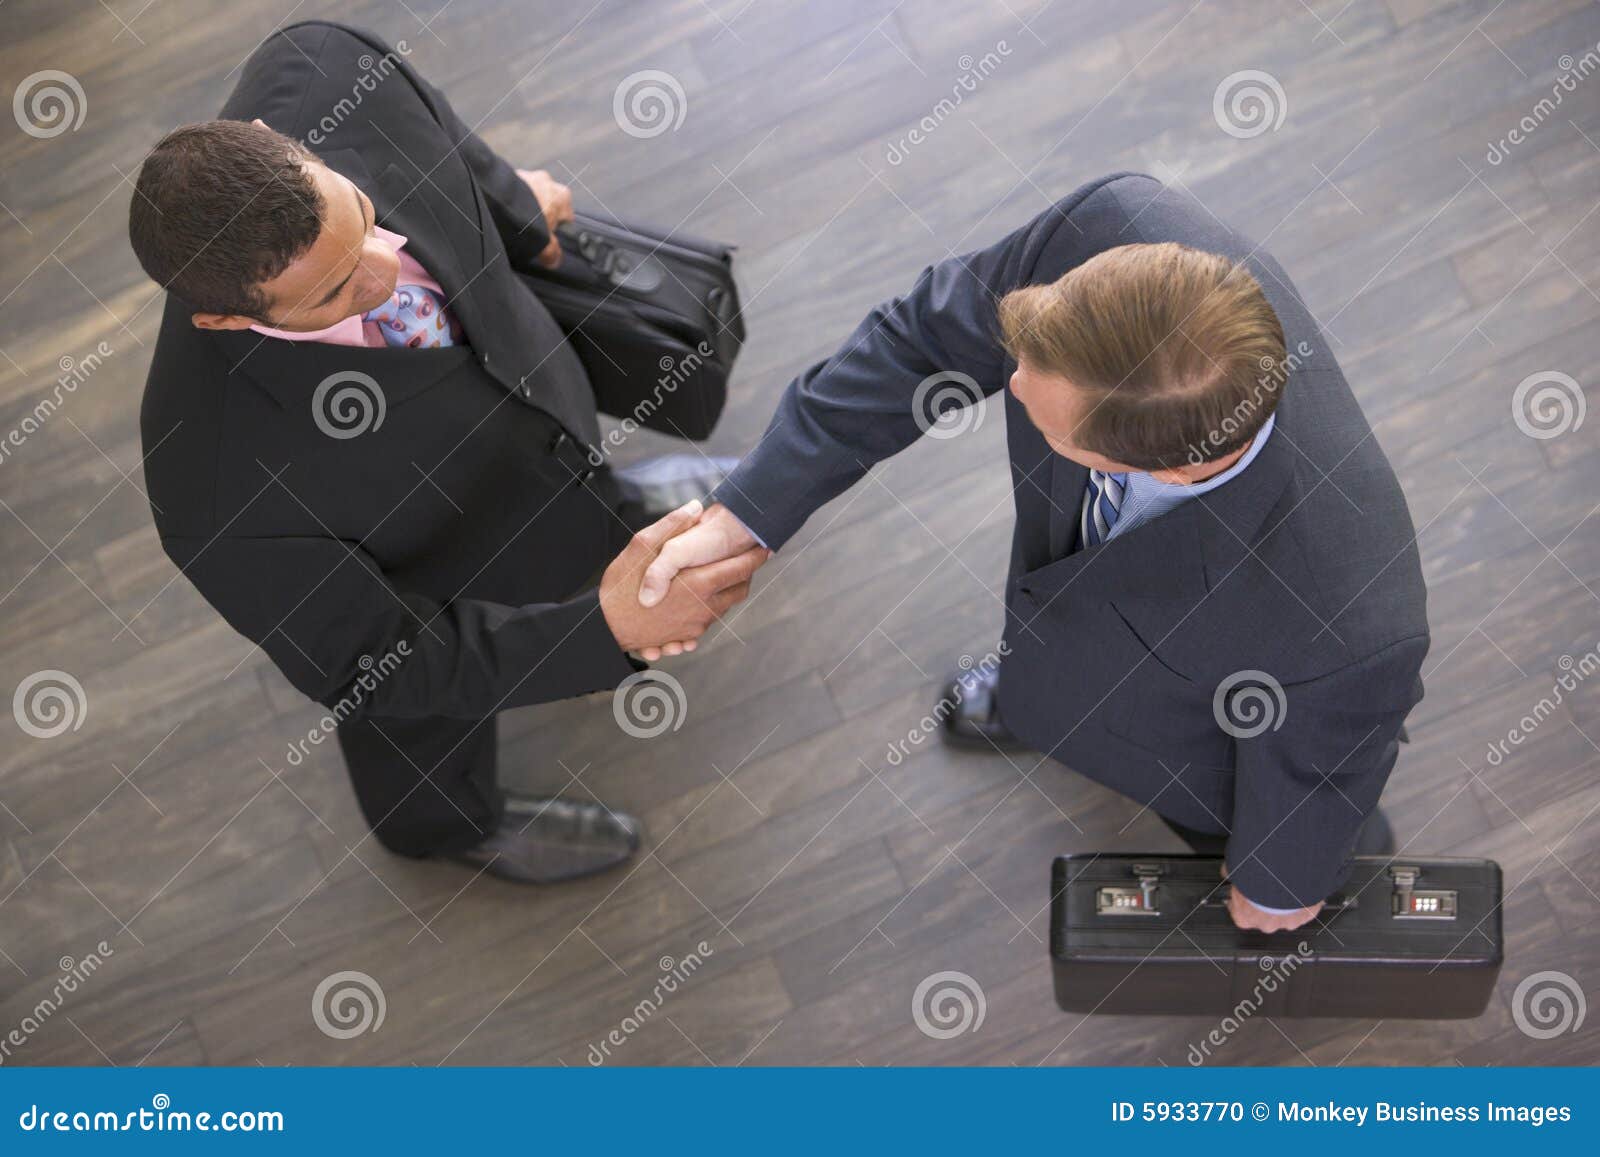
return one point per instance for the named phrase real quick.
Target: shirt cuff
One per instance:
(1264, 908)
(759, 540)
(1270, 911)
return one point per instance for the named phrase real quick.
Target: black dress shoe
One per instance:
(974, 720)
(546, 841)
(657, 486)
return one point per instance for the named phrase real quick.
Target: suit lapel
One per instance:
(291, 371)
(1161, 559)
(1067, 480)
(1179, 556)
(444, 246)
(403, 208)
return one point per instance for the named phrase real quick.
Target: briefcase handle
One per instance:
(640, 274)
(1335, 903)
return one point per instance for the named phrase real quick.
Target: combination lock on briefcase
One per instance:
(1410, 903)
(1125, 901)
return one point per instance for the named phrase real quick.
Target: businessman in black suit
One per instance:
(1215, 603)
(368, 445)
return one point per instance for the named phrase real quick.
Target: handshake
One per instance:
(676, 577)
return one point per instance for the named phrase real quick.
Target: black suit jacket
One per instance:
(462, 523)
(1303, 568)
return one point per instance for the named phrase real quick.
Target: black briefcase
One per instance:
(1414, 938)
(654, 317)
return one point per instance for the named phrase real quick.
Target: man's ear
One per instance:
(220, 321)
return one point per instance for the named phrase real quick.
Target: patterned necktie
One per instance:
(415, 317)
(1102, 503)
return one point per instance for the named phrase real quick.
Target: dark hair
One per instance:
(1179, 348)
(221, 207)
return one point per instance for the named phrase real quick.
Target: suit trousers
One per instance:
(430, 786)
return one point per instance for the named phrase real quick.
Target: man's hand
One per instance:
(716, 536)
(1247, 915)
(699, 596)
(556, 201)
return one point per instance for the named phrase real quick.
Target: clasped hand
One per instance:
(676, 577)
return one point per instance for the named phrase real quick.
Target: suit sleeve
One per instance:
(863, 404)
(342, 634)
(1302, 792)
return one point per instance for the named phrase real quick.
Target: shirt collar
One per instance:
(346, 330)
(1155, 486)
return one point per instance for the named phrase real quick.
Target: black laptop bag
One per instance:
(1414, 937)
(654, 317)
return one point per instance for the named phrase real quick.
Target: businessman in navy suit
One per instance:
(1215, 603)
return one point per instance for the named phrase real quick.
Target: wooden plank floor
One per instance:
(824, 879)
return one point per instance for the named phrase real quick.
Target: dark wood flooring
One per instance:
(826, 881)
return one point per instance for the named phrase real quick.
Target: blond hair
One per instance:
(1180, 349)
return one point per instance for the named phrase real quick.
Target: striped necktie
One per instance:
(1102, 503)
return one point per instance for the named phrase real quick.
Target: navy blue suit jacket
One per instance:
(1302, 571)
